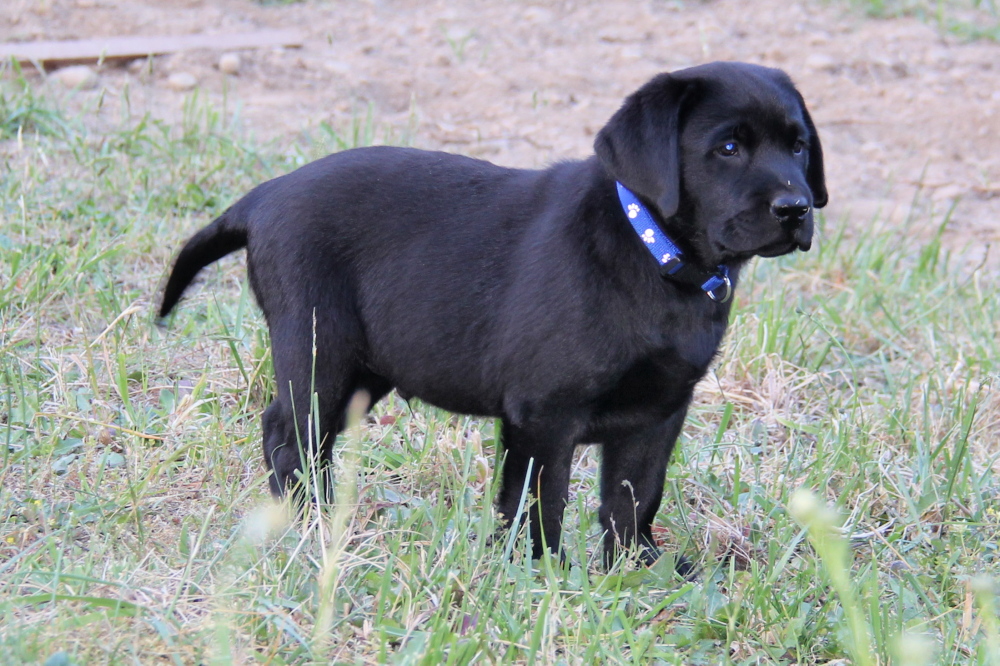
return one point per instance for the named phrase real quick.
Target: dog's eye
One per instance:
(799, 147)
(728, 149)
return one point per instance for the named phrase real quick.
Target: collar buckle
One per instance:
(670, 264)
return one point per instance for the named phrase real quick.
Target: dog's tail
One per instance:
(226, 234)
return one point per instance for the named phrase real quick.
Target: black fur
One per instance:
(526, 295)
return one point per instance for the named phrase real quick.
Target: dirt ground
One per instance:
(906, 114)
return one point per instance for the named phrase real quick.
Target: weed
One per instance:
(458, 41)
(21, 110)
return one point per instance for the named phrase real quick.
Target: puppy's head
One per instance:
(728, 156)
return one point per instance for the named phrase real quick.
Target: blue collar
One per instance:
(672, 265)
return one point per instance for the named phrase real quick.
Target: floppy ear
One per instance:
(814, 174)
(639, 147)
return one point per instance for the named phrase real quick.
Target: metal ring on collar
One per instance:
(729, 291)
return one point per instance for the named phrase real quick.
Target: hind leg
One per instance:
(313, 394)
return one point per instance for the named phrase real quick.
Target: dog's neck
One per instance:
(715, 283)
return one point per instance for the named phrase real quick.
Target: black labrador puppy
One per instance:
(580, 304)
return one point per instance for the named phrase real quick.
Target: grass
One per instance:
(836, 479)
(966, 19)
(21, 110)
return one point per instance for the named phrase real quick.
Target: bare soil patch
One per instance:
(908, 115)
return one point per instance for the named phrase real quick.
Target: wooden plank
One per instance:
(119, 48)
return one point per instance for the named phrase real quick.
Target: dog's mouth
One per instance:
(728, 255)
(798, 241)
(740, 241)
(781, 248)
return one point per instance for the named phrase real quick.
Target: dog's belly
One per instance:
(449, 377)
(452, 401)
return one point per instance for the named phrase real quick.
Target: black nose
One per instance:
(790, 208)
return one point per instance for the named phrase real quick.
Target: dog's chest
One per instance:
(657, 381)
(653, 385)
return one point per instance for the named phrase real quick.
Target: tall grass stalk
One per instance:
(833, 550)
(345, 506)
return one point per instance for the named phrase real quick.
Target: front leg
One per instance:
(633, 470)
(548, 452)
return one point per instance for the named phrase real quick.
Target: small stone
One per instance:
(229, 63)
(341, 68)
(182, 81)
(948, 192)
(78, 76)
(141, 66)
(820, 61)
(872, 148)
(538, 15)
